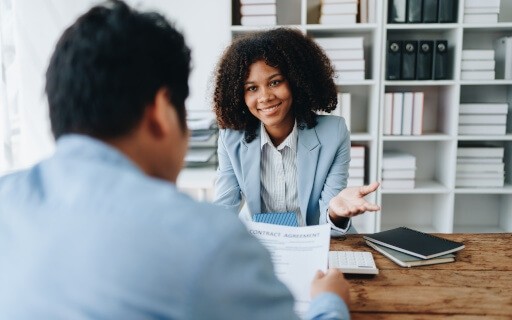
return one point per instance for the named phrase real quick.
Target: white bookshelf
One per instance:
(435, 204)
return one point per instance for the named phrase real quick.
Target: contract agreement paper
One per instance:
(297, 253)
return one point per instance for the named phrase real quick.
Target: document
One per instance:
(297, 253)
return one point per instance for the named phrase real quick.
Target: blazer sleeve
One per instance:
(338, 172)
(227, 188)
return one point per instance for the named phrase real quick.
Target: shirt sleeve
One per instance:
(335, 230)
(328, 306)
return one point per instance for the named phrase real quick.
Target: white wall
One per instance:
(38, 24)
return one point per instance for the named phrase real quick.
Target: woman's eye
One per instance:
(252, 88)
(274, 83)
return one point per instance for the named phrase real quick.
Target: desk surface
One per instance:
(477, 285)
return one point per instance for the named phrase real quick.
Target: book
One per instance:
(468, 65)
(338, 18)
(477, 75)
(477, 54)
(406, 260)
(482, 129)
(398, 184)
(415, 243)
(480, 3)
(417, 114)
(258, 9)
(345, 54)
(270, 20)
(392, 174)
(398, 98)
(343, 65)
(481, 151)
(480, 182)
(483, 119)
(485, 108)
(388, 113)
(340, 43)
(338, 8)
(357, 151)
(407, 115)
(350, 75)
(480, 167)
(398, 160)
(482, 10)
(480, 18)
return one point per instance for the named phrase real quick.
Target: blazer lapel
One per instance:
(308, 149)
(250, 155)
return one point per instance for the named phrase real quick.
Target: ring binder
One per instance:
(394, 60)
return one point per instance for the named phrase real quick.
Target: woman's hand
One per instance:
(350, 202)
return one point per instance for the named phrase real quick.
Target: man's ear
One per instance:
(161, 115)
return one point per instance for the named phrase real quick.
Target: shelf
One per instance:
(435, 204)
(421, 26)
(505, 190)
(360, 136)
(403, 83)
(497, 82)
(358, 27)
(507, 137)
(421, 187)
(486, 27)
(424, 137)
(366, 82)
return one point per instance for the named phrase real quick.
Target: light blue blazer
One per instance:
(323, 157)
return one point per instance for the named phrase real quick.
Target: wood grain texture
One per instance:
(477, 285)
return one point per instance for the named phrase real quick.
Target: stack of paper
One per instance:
(483, 118)
(338, 12)
(477, 65)
(398, 170)
(478, 11)
(258, 12)
(347, 56)
(203, 139)
(480, 166)
(356, 168)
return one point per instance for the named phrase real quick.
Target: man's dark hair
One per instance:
(108, 66)
(301, 61)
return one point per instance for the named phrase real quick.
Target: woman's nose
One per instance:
(266, 95)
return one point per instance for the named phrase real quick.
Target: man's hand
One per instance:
(331, 281)
(350, 202)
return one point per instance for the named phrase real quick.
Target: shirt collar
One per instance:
(290, 141)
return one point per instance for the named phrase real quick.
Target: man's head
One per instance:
(111, 68)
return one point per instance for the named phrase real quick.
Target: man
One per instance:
(99, 231)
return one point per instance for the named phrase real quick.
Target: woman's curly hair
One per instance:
(302, 62)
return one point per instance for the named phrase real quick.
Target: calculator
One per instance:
(360, 262)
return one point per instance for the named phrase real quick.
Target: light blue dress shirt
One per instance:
(87, 235)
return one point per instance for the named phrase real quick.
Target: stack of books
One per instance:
(398, 170)
(356, 168)
(480, 166)
(403, 113)
(477, 65)
(409, 248)
(202, 151)
(503, 55)
(483, 118)
(338, 11)
(347, 56)
(367, 11)
(343, 108)
(478, 11)
(258, 12)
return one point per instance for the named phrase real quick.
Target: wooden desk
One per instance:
(478, 285)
